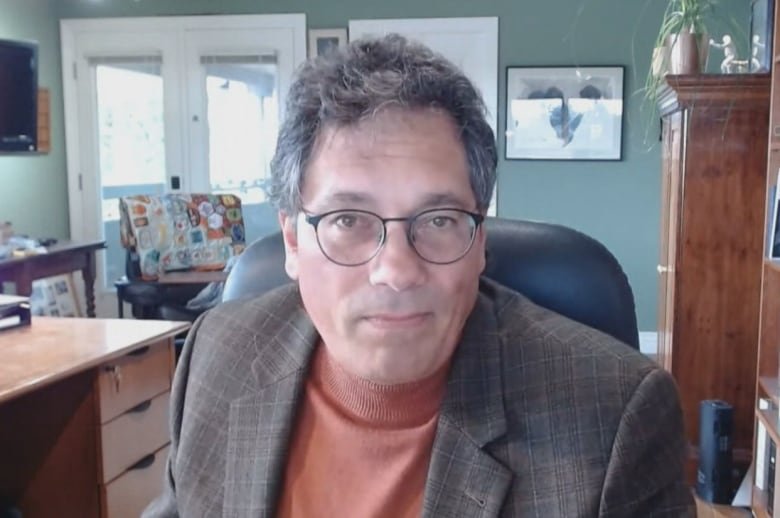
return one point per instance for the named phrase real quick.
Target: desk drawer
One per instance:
(128, 495)
(133, 435)
(133, 379)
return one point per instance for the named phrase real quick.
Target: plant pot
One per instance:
(660, 63)
(687, 53)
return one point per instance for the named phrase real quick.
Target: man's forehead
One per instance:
(368, 163)
(373, 132)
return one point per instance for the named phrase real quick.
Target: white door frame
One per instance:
(80, 159)
(235, 42)
(83, 38)
(80, 99)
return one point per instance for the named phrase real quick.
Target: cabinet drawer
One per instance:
(133, 379)
(133, 435)
(128, 495)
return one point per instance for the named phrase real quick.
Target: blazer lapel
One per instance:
(260, 423)
(464, 480)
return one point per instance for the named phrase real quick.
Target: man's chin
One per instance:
(389, 340)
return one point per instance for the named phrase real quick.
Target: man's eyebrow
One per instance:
(441, 199)
(357, 198)
(347, 197)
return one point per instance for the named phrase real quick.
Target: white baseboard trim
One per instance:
(648, 342)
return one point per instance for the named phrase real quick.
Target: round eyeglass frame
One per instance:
(314, 221)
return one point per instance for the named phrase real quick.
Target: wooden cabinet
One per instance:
(84, 415)
(133, 393)
(714, 131)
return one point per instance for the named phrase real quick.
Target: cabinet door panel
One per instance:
(671, 197)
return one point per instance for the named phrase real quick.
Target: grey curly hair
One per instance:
(348, 86)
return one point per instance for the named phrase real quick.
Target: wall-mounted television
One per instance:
(18, 95)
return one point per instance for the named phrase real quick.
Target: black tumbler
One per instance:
(714, 480)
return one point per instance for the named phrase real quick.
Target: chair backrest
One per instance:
(178, 231)
(555, 266)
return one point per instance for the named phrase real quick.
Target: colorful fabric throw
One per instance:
(178, 231)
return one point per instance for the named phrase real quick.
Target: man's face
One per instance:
(396, 318)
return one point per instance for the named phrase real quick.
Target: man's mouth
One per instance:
(396, 320)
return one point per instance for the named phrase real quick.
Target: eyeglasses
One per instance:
(354, 237)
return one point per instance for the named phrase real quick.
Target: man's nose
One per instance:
(397, 265)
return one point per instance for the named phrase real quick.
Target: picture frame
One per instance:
(762, 13)
(321, 41)
(55, 297)
(564, 113)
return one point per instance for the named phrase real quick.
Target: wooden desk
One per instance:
(84, 415)
(63, 257)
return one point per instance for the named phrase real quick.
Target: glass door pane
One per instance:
(130, 140)
(242, 116)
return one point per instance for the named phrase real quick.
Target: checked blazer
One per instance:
(542, 417)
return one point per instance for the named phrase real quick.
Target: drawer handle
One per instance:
(116, 375)
(140, 351)
(143, 463)
(141, 407)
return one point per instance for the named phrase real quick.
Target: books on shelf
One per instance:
(773, 221)
(766, 475)
(770, 479)
(762, 437)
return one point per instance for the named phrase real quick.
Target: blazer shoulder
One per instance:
(260, 314)
(533, 335)
(240, 327)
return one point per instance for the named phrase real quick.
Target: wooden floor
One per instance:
(705, 510)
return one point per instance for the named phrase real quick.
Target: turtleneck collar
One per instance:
(380, 406)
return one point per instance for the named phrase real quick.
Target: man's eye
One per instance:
(437, 222)
(346, 220)
(442, 221)
(351, 221)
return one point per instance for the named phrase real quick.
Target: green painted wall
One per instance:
(33, 187)
(616, 202)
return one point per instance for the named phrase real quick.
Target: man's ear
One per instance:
(290, 236)
(480, 241)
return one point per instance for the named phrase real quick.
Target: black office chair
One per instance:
(152, 300)
(555, 266)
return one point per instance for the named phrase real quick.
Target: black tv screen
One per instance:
(18, 95)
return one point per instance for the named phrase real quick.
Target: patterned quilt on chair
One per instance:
(182, 231)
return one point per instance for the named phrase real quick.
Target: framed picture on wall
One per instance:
(762, 13)
(564, 113)
(322, 41)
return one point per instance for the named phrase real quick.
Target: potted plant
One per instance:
(682, 41)
(681, 46)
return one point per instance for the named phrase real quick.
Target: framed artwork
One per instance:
(564, 113)
(761, 16)
(55, 297)
(321, 41)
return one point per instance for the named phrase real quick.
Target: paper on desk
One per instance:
(12, 300)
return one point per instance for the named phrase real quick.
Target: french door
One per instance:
(155, 105)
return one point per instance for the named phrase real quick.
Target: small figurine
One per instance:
(730, 63)
(757, 53)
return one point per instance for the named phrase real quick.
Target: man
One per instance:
(389, 380)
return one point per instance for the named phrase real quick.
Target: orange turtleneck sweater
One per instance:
(359, 448)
